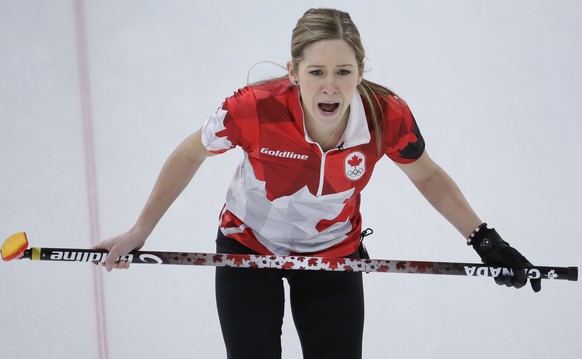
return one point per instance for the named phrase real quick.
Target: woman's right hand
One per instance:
(174, 177)
(121, 245)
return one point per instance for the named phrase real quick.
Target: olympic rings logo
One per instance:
(356, 172)
(355, 165)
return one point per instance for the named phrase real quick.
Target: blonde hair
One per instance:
(331, 24)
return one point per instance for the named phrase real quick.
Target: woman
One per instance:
(310, 143)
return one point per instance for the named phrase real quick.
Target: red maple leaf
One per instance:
(217, 258)
(401, 266)
(354, 161)
(237, 258)
(200, 261)
(383, 269)
(334, 262)
(421, 267)
(312, 262)
(288, 265)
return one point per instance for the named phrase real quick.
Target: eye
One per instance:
(344, 72)
(316, 72)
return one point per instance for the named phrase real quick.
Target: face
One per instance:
(327, 78)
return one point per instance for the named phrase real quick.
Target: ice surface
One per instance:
(494, 85)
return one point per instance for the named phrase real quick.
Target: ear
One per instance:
(292, 73)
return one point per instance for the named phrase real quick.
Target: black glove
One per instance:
(495, 252)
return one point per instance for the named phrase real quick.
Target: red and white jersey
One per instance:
(288, 196)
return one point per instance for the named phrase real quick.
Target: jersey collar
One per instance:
(357, 131)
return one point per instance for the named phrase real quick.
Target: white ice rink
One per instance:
(96, 98)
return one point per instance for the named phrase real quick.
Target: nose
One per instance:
(329, 86)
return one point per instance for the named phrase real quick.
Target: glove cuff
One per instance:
(485, 239)
(475, 232)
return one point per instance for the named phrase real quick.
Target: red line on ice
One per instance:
(90, 166)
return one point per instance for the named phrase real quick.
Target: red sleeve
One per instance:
(234, 124)
(404, 142)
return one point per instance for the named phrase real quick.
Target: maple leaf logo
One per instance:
(354, 161)
(355, 165)
(552, 274)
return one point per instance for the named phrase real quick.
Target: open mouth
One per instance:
(328, 107)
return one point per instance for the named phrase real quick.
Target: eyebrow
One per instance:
(320, 66)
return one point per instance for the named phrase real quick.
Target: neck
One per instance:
(327, 137)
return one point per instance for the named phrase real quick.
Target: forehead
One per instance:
(323, 52)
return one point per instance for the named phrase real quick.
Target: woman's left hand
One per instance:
(494, 251)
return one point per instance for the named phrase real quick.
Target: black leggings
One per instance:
(327, 307)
